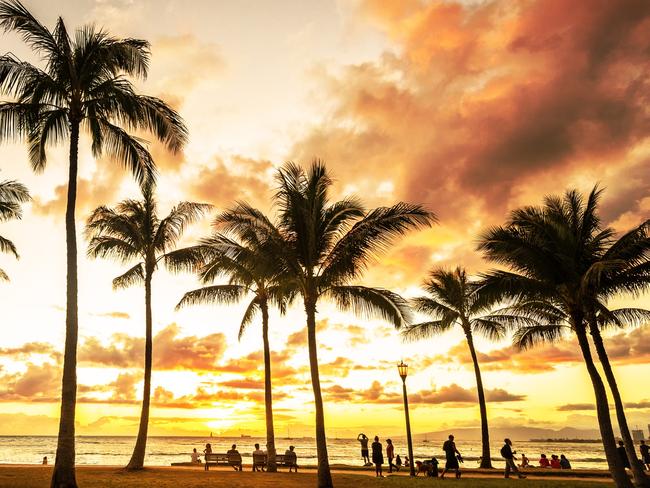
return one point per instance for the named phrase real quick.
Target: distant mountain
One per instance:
(514, 433)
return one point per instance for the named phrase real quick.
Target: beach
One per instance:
(23, 476)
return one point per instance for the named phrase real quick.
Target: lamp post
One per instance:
(403, 372)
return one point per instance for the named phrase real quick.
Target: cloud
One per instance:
(171, 351)
(39, 383)
(454, 395)
(114, 315)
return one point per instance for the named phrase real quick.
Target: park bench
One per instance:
(216, 459)
(281, 460)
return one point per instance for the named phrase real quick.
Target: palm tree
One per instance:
(252, 272)
(84, 84)
(133, 231)
(454, 300)
(12, 194)
(555, 253)
(321, 247)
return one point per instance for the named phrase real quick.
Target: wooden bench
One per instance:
(260, 461)
(216, 459)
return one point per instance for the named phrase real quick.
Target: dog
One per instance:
(421, 468)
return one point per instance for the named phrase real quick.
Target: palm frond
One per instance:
(12, 194)
(104, 246)
(171, 228)
(14, 16)
(425, 330)
(249, 314)
(489, 327)
(372, 302)
(7, 246)
(133, 276)
(527, 337)
(217, 294)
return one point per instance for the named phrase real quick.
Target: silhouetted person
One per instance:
(451, 462)
(645, 454)
(363, 440)
(258, 452)
(390, 454)
(555, 462)
(544, 462)
(525, 462)
(234, 459)
(207, 450)
(509, 455)
(44, 460)
(291, 459)
(195, 456)
(623, 455)
(564, 462)
(377, 457)
(398, 462)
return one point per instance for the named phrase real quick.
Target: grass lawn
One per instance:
(110, 477)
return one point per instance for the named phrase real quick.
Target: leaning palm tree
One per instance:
(554, 254)
(12, 195)
(322, 246)
(453, 300)
(134, 231)
(252, 272)
(83, 85)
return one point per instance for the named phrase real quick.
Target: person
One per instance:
(555, 462)
(544, 462)
(645, 454)
(44, 460)
(407, 462)
(451, 462)
(509, 455)
(291, 459)
(207, 450)
(398, 462)
(525, 462)
(433, 468)
(236, 458)
(258, 452)
(363, 440)
(377, 457)
(390, 454)
(623, 455)
(195, 457)
(564, 462)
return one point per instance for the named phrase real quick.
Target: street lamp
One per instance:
(403, 372)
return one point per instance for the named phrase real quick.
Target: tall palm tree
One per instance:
(83, 84)
(134, 231)
(453, 300)
(252, 272)
(322, 246)
(554, 254)
(12, 195)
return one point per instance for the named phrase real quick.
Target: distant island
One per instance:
(572, 441)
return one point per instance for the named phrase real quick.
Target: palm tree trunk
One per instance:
(63, 475)
(640, 479)
(268, 395)
(486, 461)
(614, 462)
(324, 475)
(137, 458)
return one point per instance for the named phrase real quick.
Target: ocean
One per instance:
(162, 451)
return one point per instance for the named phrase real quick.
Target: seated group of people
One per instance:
(290, 457)
(555, 462)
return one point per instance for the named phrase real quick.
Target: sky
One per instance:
(470, 108)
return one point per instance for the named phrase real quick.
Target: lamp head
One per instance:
(403, 369)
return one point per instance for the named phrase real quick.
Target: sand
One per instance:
(21, 476)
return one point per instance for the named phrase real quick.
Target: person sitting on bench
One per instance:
(234, 458)
(258, 452)
(291, 459)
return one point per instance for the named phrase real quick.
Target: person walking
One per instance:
(377, 457)
(645, 454)
(452, 456)
(623, 454)
(509, 455)
(390, 454)
(363, 440)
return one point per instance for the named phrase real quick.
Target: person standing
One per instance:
(377, 457)
(363, 440)
(645, 454)
(451, 460)
(509, 455)
(206, 451)
(390, 454)
(623, 454)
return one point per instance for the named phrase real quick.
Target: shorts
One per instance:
(452, 463)
(364, 453)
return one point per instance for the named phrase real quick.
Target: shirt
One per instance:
(195, 457)
(390, 451)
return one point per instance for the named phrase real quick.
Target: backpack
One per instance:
(504, 451)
